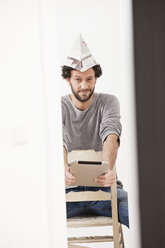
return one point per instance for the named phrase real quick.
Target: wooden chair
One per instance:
(92, 221)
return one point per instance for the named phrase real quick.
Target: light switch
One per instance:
(19, 134)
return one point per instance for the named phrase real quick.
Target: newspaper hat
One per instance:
(80, 57)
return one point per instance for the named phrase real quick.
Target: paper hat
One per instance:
(80, 57)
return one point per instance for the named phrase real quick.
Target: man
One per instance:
(90, 121)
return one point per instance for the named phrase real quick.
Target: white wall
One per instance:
(23, 196)
(106, 26)
(128, 157)
(99, 23)
(30, 215)
(53, 120)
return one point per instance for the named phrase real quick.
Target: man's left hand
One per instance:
(106, 180)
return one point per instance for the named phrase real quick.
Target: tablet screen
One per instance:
(89, 162)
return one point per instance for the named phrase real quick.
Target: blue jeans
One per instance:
(102, 208)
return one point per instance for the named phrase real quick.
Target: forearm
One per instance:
(110, 149)
(69, 178)
(65, 158)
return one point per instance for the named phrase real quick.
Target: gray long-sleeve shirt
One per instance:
(83, 130)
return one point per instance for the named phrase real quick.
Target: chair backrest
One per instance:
(89, 155)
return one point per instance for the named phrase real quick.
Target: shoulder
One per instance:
(64, 99)
(107, 99)
(65, 105)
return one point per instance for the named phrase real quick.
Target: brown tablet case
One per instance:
(85, 173)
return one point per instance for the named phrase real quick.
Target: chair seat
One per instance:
(88, 221)
(88, 196)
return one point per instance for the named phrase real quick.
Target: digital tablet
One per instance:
(86, 171)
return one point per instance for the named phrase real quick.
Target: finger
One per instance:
(69, 180)
(107, 185)
(106, 177)
(99, 181)
(69, 175)
(69, 171)
(101, 177)
(109, 174)
(104, 182)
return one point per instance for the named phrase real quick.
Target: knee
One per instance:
(122, 195)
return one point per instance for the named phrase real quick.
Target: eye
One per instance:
(78, 79)
(89, 79)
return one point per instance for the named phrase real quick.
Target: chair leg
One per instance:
(115, 214)
(122, 237)
(116, 235)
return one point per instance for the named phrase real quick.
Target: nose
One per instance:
(83, 84)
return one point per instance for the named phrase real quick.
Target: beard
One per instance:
(83, 98)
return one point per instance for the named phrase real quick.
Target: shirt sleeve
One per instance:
(64, 130)
(64, 137)
(110, 123)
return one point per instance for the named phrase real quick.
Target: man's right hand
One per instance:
(69, 178)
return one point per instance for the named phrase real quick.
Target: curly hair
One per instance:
(66, 71)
